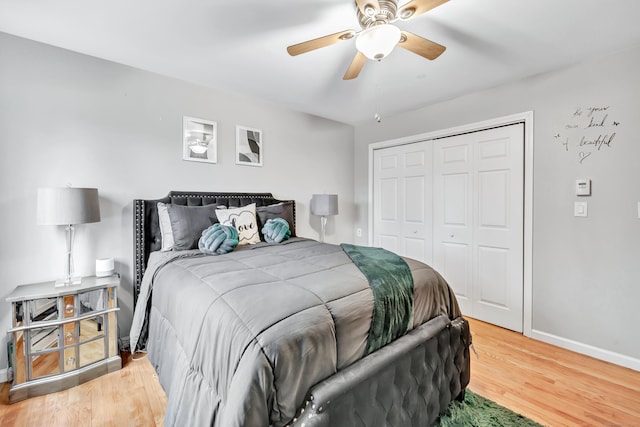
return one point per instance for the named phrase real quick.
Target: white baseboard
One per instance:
(589, 350)
(3, 375)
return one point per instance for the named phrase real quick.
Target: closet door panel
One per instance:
(478, 200)
(402, 200)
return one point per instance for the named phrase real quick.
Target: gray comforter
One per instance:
(238, 339)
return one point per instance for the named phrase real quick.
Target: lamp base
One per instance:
(323, 226)
(69, 281)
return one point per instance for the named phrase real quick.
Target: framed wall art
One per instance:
(199, 140)
(249, 146)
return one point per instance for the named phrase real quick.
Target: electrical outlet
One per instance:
(359, 230)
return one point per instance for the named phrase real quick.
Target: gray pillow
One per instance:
(188, 222)
(282, 210)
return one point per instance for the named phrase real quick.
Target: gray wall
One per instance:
(70, 118)
(586, 271)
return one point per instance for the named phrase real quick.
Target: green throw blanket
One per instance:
(392, 284)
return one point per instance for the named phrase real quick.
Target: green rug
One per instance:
(476, 411)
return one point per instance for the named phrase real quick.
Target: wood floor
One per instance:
(550, 385)
(131, 396)
(553, 386)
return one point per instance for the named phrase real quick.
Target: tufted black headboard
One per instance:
(146, 230)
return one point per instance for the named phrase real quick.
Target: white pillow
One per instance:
(165, 227)
(242, 219)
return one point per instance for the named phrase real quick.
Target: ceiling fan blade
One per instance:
(364, 4)
(421, 46)
(417, 7)
(355, 67)
(314, 44)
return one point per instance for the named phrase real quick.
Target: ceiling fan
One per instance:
(378, 35)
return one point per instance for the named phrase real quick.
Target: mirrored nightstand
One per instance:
(62, 336)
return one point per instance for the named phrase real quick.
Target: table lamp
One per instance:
(68, 206)
(324, 205)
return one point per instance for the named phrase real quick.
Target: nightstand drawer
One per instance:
(45, 364)
(43, 339)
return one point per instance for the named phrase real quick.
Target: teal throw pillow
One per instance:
(276, 230)
(218, 239)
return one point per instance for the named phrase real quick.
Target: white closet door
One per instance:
(478, 221)
(453, 215)
(402, 200)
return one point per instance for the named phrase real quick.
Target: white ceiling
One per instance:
(240, 45)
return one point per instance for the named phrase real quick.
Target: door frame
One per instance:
(524, 117)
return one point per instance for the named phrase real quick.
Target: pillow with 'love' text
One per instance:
(243, 220)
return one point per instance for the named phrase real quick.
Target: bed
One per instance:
(278, 334)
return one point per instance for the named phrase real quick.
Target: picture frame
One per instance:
(199, 140)
(249, 146)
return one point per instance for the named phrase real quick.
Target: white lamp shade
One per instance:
(324, 204)
(67, 206)
(378, 41)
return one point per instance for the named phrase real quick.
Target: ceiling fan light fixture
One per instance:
(378, 41)
(407, 13)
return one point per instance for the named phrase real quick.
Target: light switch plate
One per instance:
(580, 209)
(639, 210)
(583, 187)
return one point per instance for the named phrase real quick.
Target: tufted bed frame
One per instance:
(409, 382)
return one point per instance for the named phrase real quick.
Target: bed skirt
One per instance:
(410, 382)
